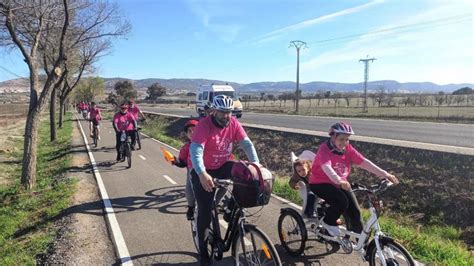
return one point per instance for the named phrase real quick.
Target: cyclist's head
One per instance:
(93, 104)
(340, 134)
(124, 108)
(222, 106)
(131, 102)
(341, 128)
(189, 127)
(302, 167)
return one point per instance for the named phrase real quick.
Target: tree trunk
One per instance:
(28, 174)
(52, 115)
(62, 112)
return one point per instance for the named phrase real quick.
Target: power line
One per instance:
(7, 70)
(420, 25)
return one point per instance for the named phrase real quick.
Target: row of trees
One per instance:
(59, 40)
(378, 98)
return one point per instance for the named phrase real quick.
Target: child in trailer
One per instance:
(301, 167)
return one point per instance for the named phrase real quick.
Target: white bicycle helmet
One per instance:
(223, 103)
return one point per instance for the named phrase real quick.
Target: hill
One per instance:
(191, 85)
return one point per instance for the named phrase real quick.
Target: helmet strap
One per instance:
(334, 149)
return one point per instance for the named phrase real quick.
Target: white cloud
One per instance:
(208, 12)
(307, 23)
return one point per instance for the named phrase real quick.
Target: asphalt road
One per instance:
(458, 135)
(151, 210)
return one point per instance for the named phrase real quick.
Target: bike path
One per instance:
(150, 209)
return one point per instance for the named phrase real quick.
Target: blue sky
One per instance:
(248, 41)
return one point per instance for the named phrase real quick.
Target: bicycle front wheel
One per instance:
(393, 253)
(128, 153)
(254, 248)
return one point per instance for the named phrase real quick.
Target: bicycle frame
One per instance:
(237, 221)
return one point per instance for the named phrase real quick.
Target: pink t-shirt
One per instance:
(124, 122)
(340, 163)
(134, 111)
(94, 114)
(218, 142)
(184, 155)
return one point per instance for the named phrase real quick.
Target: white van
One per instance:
(206, 94)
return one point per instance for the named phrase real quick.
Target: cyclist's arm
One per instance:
(196, 152)
(249, 150)
(329, 171)
(374, 169)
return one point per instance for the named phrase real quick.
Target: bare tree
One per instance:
(40, 30)
(380, 95)
(336, 97)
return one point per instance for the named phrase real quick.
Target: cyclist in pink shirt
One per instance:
(329, 178)
(211, 148)
(123, 121)
(94, 118)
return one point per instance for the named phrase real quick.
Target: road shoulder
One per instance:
(83, 237)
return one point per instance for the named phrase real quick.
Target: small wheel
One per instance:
(393, 253)
(292, 232)
(346, 245)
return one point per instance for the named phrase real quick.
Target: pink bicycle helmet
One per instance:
(341, 128)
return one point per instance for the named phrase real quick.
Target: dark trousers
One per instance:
(340, 202)
(204, 202)
(131, 134)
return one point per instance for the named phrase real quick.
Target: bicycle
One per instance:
(125, 150)
(293, 232)
(250, 245)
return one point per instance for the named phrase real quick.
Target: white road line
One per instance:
(170, 180)
(141, 156)
(114, 227)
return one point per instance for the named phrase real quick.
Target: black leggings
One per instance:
(204, 202)
(340, 202)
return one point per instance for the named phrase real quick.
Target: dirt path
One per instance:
(83, 238)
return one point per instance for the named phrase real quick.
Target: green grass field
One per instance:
(27, 217)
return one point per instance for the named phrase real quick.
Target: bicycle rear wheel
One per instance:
(254, 248)
(393, 253)
(292, 232)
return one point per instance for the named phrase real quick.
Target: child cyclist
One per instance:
(329, 178)
(184, 160)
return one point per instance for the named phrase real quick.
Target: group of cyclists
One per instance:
(207, 155)
(125, 120)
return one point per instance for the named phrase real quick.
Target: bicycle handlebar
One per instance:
(383, 185)
(222, 182)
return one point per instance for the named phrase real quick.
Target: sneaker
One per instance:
(310, 215)
(333, 230)
(190, 213)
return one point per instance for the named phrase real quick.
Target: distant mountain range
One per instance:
(191, 85)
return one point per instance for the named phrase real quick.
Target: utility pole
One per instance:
(298, 45)
(366, 78)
